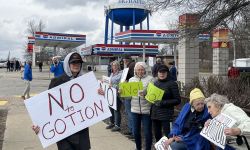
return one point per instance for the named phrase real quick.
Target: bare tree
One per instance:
(32, 28)
(211, 13)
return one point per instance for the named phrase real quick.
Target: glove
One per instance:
(158, 103)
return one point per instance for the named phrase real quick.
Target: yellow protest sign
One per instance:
(154, 93)
(130, 88)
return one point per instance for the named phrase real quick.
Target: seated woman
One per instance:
(217, 104)
(185, 134)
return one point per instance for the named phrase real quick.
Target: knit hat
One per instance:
(162, 68)
(196, 94)
(75, 58)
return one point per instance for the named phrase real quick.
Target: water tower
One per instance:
(125, 13)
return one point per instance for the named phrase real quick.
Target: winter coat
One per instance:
(27, 74)
(58, 69)
(171, 98)
(139, 104)
(81, 138)
(192, 138)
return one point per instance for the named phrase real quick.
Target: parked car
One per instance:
(3, 64)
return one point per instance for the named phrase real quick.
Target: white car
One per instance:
(3, 64)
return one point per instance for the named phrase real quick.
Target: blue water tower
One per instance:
(126, 14)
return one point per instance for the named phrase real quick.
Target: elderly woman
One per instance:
(115, 77)
(185, 134)
(217, 104)
(162, 111)
(140, 108)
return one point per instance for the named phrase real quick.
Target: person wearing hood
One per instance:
(27, 77)
(73, 68)
(140, 108)
(185, 133)
(162, 111)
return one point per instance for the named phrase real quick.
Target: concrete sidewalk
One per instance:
(19, 136)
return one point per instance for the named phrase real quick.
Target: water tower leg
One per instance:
(133, 19)
(106, 30)
(148, 22)
(121, 30)
(112, 28)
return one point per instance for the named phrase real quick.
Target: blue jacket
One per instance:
(58, 69)
(193, 139)
(27, 74)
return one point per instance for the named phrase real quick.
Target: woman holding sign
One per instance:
(162, 110)
(115, 77)
(73, 68)
(140, 108)
(185, 133)
(218, 104)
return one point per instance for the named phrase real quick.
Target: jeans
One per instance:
(127, 105)
(116, 114)
(159, 126)
(178, 146)
(147, 129)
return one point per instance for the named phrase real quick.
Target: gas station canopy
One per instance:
(111, 49)
(48, 39)
(148, 36)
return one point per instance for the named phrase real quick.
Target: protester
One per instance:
(8, 65)
(140, 108)
(217, 104)
(233, 72)
(128, 63)
(115, 119)
(73, 68)
(27, 77)
(185, 133)
(173, 70)
(56, 67)
(40, 64)
(17, 65)
(162, 111)
(155, 67)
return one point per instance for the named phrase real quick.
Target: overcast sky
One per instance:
(63, 16)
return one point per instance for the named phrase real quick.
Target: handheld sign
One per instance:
(130, 88)
(214, 132)
(106, 79)
(67, 109)
(151, 61)
(154, 93)
(110, 95)
(124, 74)
(160, 144)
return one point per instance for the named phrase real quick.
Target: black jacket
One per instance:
(131, 72)
(170, 99)
(79, 140)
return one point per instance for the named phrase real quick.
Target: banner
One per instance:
(160, 144)
(130, 88)
(124, 74)
(110, 94)
(67, 109)
(214, 132)
(154, 93)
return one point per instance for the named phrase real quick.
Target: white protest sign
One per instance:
(124, 74)
(151, 61)
(106, 79)
(67, 109)
(214, 132)
(160, 144)
(110, 95)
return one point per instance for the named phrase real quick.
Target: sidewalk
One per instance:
(18, 134)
